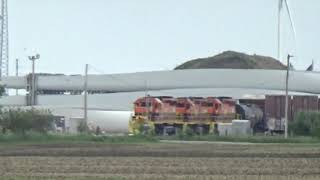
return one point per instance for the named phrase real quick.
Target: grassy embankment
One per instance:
(85, 138)
(68, 138)
(249, 139)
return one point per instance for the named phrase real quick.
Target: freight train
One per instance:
(168, 115)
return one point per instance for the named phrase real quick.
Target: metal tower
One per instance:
(4, 40)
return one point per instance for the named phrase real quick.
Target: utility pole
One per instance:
(33, 82)
(287, 101)
(85, 117)
(17, 72)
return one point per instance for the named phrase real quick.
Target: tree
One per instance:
(2, 121)
(21, 121)
(83, 127)
(42, 121)
(306, 124)
(2, 90)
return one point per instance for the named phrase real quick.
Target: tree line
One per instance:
(21, 121)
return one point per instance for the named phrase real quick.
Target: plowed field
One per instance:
(160, 161)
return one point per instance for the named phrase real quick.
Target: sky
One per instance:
(119, 36)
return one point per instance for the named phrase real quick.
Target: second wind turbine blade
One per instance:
(290, 17)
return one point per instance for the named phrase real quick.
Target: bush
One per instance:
(306, 124)
(83, 127)
(41, 121)
(179, 133)
(21, 121)
(189, 131)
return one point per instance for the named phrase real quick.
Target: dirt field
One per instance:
(160, 161)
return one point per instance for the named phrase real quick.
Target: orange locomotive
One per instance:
(184, 108)
(221, 108)
(166, 111)
(155, 108)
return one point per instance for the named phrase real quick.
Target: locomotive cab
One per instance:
(214, 106)
(147, 106)
(167, 109)
(184, 108)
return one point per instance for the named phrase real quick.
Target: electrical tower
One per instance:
(4, 40)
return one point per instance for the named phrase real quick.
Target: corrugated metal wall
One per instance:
(275, 109)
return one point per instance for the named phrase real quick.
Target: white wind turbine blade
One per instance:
(280, 5)
(290, 17)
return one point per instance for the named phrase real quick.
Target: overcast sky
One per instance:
(116, 36)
